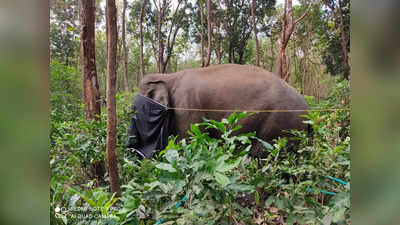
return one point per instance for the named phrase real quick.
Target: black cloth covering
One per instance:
(148, 131)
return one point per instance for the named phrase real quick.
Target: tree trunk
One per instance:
(155, 52)
(170, 47)
(120, 83)
(230, 53)
(141, 74)
(89, 74)
(218, 48)
(106, 32)
(305, 67)
(286, 32)
(160, 61)
(126, 81)
(159, 41)
(253, 14)
(344, 41)
(209, 32)
(112, 37)
(202, 35)
(288, 24)
(159, 38)
(90, 89)
(272, 54)
(242, 47)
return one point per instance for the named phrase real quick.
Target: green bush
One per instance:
(77, 143)
(306, 197)
(204, 170)
(65, 92)
(206, 175)
(310, 196)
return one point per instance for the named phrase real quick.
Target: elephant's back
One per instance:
(233, 76)
(235, 86)
(231, 71)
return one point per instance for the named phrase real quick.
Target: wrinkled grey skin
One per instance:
(228, 86)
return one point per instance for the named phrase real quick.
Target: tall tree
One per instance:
(90, 83)
(91, 94)
(308, 40)
(218, 15)
(169, 23)
(209, 32)
(341, 13)
(125, 58)
(344, 38)
(161, 9)
(112, 37)
(238, 25)
(253, 15)
(142, 8)
(64, 31)
(142, 26)
(288, 25)
(218, 41)
(200, 2)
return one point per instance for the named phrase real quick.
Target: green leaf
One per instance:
(166, 166)
(338, 215)
(257, 197)
(197, 189)
(108, 204)
(102, 198)
(247, 149)
(232, 118)
(194, 130)
(279, 203)
(342, 199)
(237, 128)
(327, 220)
(265, 144)
(218, 125)
(223, 167)
(221, 179)
(243, 114)
(171, 155)
(86, 199)
(241, 187)
(269, 201)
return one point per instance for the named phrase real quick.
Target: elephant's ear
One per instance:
(155, 87)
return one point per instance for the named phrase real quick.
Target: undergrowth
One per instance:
(203, 180)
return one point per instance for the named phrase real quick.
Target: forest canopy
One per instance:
(175, 36)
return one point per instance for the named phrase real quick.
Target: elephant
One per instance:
(228, 87)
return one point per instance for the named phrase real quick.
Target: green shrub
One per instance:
(310, 196)
(65, 92)
(77, 143)
(204, 170)
(206, 174)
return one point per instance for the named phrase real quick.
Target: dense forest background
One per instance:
(101, 49)
(181, 38)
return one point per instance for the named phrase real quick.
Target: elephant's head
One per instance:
(155, 87)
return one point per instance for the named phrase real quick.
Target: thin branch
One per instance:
(304, 14)
(155, 4)
(173, 23)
